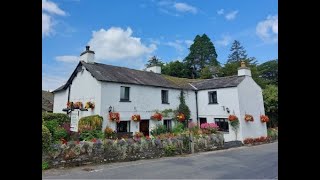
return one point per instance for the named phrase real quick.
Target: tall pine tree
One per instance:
(238, 53)
(202, 53)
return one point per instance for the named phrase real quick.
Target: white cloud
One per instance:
(188, 42)
(220, 12)
(267, 30)
(176, 44)
(116, 43)
(183, 7)
(67, 58)
(52, 8)
(51, 83)
(231, 15)
(225, 41)
(48, 10)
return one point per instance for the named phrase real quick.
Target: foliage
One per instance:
(156, 116)
(209, 72)
(234, 122)
(52, 126)
(270, 97)
(93, 122)
(209, 128)
(89, 135)
(60, 117)
(60, 133)
(262, 139)
(109, 132)
(169, 150)
(269, 71)
(176, 69)
(168, 112)
(194, 128)
(178, 128)
(154, 61)
(138, 135)
(183, 108)
(45, 165)
(272, 133)
(238, 52)
(202, 53)
(46, 138)
(159, 129)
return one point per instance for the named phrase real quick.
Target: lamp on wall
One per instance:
(110, 109)
(228, 111)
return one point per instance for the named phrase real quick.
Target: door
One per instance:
(203, 120)
(144, 127)
(168, 124)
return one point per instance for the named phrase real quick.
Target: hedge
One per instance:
(60, 117)
(46, 138)
(93, 122)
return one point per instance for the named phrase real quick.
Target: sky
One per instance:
(128, 32)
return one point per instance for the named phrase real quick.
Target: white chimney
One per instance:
(87, 56)
(155, 69)
(243, 70)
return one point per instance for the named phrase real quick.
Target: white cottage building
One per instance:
(129, 91)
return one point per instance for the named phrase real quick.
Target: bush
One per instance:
(45, 165)
(209, 128)
(52, 126)
(109, 132)
(159, 129)
(88, 123)
(272, 133)
(169, 150)
(60, 117)
(178, 128)
(60, 133)
(46, 138)
(89, 135)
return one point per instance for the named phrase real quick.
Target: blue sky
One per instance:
(127, 32)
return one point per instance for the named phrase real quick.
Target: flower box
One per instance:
(136, 117)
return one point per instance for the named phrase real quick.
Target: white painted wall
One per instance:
(251, 102)
(227, 97)
(83, 88)
(60, 100)
(155, 69)
(144, 101)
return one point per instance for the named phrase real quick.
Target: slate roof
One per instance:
(47, 101)
(116, 74)
(221, 82)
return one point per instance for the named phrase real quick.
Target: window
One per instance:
(213, 97)
(222, 123)
(124, 93)
(203, 120)
(123, 126)
(164, 96)
(168, 124)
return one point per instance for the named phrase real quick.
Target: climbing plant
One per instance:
(183, 108)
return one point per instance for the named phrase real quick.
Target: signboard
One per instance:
(74, 121)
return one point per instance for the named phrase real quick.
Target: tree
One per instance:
(154, 61)
(202, 53)
(269, 71)
(209, 72)
(176, 69)
(238, 53)
(270, 97)
(183, 108)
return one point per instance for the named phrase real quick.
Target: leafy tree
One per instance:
(209, 72)
(176, 69)
(202, 53)
(154, 61)
(269, 71)
(270, 97)
(238, 53)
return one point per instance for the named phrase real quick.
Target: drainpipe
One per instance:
(69, 96)
(196, 92)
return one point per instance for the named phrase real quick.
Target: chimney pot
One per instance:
(87, 48)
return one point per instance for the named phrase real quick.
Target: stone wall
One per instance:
(76, 154)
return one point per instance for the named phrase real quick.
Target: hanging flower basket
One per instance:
(248, 117)
(77, 105)
(264, 118)
(90, 105)
(156, 116)
(233, 118)
(114, 116)
(136, 117)
(181, 117)
(69, 104)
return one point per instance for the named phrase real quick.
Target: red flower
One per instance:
(156, 116)
(248, 117)
(63, 141)
(181, 117)
(135, 117)
(114, 117)
(94, 140)
(264, 118)
(233, 118)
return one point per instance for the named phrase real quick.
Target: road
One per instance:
(255, 162)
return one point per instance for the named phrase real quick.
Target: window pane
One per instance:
(210, 97)
(127, 93)
(122, 93)
(214, 94)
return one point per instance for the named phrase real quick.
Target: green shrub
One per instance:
(178, 128)
(88, 123)
(45, 165)
(60, 117)
(273, 133)
(159, 129)
(89, 135)
(52, 126)
(169, 150)
(60, 133)
(46, 138)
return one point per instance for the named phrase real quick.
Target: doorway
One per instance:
(203, 120)
(144, 127)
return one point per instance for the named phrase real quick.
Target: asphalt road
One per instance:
(255, 162)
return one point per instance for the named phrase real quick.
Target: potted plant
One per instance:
(69, 104)
(234, 122)
(114, 116)
(136, 117)
(248, 117)
(264, 118)
(181, 117)
(90, 105)
(77, 105)
(157, 116)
